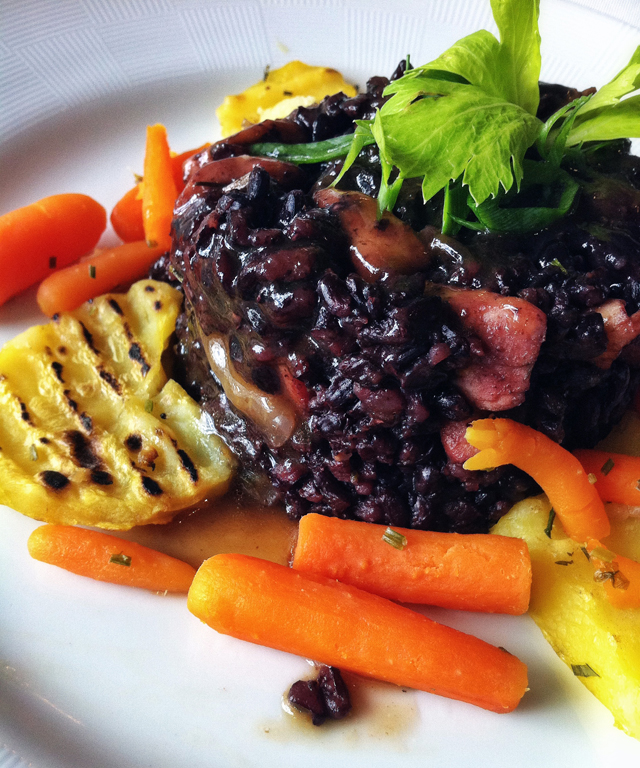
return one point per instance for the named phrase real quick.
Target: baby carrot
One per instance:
(472, 572)
(617, 476)
(107, 558)
(41, 237)
(105, 270)
(561, 476)
(619, 575)
(159, 193)
(126, 217)
(340, 625)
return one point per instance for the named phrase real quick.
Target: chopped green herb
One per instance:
(556, 263)
(564, 562)
(120, 559)
(585, 552)
(33, 452)
(600, 553)
(607, 466)
(396, 539)
(583, 670)
(92, 271)
(552, 517)
(148, 406)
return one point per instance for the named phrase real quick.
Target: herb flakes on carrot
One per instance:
(560, 475)
(101, 556)
(616, 475)
(46, 235)
(345, 627)
(473, 572)
(107, 269)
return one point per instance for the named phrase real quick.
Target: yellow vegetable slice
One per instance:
(599, 642)
(297, 82)
(91, 431)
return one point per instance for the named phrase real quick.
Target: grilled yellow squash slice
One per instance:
(599, 642)
(91, 430)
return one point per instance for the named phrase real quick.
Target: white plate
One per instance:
(97, 675)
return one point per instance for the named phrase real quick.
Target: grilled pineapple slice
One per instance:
(91, 431)
(601, 643)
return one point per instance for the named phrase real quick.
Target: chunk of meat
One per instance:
(231, 168)
(377, 246)
(455, 443)
(511, 331)
(621, 329)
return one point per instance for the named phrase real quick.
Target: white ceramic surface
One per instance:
(103, 676)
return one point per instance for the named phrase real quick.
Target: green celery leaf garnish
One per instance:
(552, 188)
(440, 130)
(606, 116)
(509, 69)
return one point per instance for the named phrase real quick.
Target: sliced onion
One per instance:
(272, 414)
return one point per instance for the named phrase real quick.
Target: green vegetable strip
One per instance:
(314, 152)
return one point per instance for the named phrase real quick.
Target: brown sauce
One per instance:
(232, 523)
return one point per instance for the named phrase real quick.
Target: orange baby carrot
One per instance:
(126, 217)
(561, 476)
(617, 476)
(69, 288)
(342, 626)
(44, 236)
(472, 572)
(160, 192)
(107, 558)
(619, 575)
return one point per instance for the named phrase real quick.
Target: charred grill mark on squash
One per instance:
(82, 451)
(150, 486)
(57, 367)
(24, 412)
(88, 337)
(101, 477)
(133, 442)
(135, 353)
(115, 307)
(188, 464)
(110, 379)
(56, 481)
(72, 403)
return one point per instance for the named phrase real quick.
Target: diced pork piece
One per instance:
(377, 245)
(511, 331)
(456, 447)
(621, 329)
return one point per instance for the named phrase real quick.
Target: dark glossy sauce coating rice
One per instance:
(371, 369)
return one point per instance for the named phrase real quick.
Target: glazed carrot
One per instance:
(472, 572)
(342, 626)
(619, 575)
(561, 476)
(69, 288)
(126, 217)
(617, 476)
(107, 558)
(160, 192)
(44, 236)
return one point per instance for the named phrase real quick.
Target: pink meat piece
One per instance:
(621, 329)
(454, 442)
(511, 331)
(377, 245)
